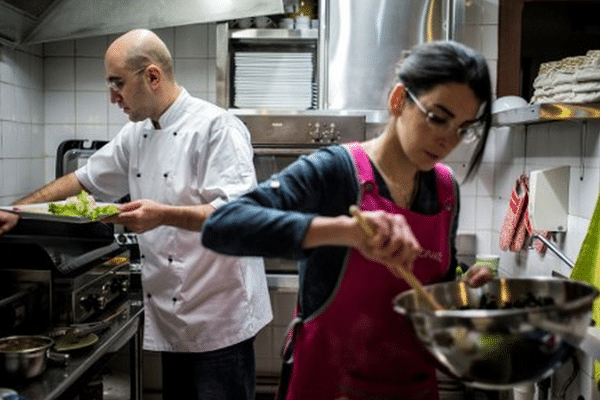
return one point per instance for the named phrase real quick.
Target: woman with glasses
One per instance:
(346, 341)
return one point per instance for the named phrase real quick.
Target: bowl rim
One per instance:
(585, 301)
(47, 343)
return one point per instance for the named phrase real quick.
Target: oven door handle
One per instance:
(274, 151)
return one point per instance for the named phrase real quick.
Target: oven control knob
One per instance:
(101, 302)
(314, 132)
(119, 286)
(125, 286)
(87, 302)
(331, 134)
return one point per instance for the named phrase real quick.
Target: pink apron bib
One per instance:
(357, 346)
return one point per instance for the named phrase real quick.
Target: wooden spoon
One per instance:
(405, 274)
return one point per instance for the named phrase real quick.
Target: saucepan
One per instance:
(508, 332)
(25, 356)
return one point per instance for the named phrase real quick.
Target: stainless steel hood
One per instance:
(37, 21)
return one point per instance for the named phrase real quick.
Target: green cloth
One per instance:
(587, 268)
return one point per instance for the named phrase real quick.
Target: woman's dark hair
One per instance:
(435, 63)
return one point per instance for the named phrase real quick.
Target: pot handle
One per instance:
(80, 330)
(58, 357)
(87, 328)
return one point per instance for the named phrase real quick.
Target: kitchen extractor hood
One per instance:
(37, 21)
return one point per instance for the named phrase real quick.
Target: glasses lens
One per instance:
(471, 133)
(114, 85)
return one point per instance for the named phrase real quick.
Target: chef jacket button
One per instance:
(174, 299)
(145, 135)
(138, 174)
(170, 258)
(369, 187)
(165, 174)
(149, 295)
(174, 133)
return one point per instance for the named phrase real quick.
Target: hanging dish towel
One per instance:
(587, 268)
(517, 228)
(516, 220)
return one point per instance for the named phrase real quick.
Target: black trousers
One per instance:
(223, 374)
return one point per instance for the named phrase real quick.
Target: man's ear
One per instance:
(154, 75)
(396, 99)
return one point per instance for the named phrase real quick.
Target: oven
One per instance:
(77, 279)
(277, 141)
(280, 139)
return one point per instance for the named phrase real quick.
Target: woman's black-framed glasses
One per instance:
(468, 133)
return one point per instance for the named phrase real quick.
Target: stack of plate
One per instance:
(274, 80)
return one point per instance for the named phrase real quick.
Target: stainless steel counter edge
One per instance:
(371, 116)
(283, 282)
(56, 380)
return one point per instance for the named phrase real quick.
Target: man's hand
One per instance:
(144, 215)
(139, 215)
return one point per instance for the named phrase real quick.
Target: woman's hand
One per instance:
(392, 241)
(478, 275)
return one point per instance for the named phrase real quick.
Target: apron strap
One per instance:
(363, 169)
(445, 187)
(287, 354)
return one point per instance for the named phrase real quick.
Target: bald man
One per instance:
(179, 158)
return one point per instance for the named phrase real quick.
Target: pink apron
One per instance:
(357, 346)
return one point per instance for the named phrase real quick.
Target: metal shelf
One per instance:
(546, 112)
(269, 34)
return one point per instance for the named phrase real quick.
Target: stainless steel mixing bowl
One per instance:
(505, 333)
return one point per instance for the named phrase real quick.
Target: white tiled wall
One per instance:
(77, 104)
(56, 92)
(21, 121)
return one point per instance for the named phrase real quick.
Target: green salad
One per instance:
(82, 205)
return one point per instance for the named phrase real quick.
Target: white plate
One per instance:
(66, 343)
(39, 211)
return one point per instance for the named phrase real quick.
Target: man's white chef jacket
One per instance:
(195, 300)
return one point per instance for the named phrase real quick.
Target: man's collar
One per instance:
(170, 112)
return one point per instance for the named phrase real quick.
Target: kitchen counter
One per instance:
(64, 380)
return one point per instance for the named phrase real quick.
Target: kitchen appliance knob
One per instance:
(87, 302)
(331, 134)
(101, 302)
(314, 132)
